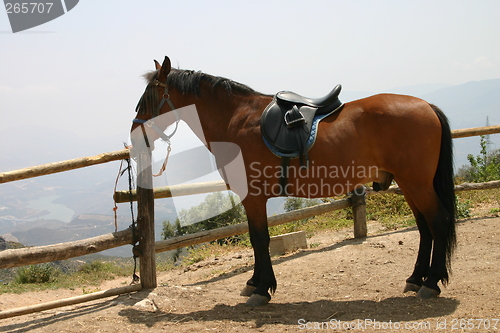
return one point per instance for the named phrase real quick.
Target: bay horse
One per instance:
(376, 139)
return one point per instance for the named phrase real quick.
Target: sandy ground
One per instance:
(338, 284)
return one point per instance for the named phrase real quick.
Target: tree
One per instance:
(217, 210)
(483, 167)
(293, 203)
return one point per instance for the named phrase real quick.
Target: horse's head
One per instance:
(154, 101)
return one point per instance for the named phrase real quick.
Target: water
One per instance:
(56, 211)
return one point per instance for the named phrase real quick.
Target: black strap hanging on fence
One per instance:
(133, 226)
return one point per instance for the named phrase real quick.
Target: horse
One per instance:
(377, 139)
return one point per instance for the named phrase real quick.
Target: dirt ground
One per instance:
(337, 284)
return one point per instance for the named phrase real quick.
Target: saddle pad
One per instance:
(310, 141)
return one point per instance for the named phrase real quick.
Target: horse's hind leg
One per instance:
(438, 271)
(430, 214)
(414, 282)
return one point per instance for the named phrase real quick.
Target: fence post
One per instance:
(358, 200)
(145, 213)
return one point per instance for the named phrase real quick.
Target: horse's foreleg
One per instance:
(263, 279)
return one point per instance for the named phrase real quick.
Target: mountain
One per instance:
(65, 206)
(418, 89)
(466, 105)
(469, 105)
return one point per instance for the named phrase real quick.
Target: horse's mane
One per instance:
(188, 82)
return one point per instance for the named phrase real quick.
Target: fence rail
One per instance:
(475, 131)
(68, 301)
(50, 168)
(55, 252)
(175, 190)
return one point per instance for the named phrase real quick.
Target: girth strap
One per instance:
(285, 162)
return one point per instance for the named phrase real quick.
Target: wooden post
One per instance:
(145, 210)
(145, 221)
(359, 212)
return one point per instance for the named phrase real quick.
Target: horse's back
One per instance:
(384, 130)
(395, 106)
(386, 114)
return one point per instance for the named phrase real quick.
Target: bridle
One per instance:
(156, 113)
(150, 122)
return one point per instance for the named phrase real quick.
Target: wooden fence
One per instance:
(145, 196)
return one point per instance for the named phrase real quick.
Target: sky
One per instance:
(82, 72)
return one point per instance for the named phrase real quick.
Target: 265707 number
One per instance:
(28, 7)
(474, 324)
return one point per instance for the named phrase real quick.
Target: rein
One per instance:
(150, 123)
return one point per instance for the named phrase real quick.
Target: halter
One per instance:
(156, 113)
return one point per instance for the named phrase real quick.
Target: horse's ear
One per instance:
(157, 64)
(166, 66)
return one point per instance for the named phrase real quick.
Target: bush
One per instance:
(94, 267)
(483, 167)
(232, 213)
(36, 274)
(462, 209)
(100, 270)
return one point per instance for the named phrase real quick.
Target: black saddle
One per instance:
(288, 124)
(323, 104)
(287, 121)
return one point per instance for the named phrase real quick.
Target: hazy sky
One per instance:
(82, 72)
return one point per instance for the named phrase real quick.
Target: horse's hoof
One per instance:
(426, 293)
(247, 291)
(411, 287)
(257, 300)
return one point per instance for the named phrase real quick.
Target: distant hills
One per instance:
(466, 105)
(88, 192)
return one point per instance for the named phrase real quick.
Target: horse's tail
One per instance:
(444, 185)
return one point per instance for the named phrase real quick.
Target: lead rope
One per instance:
(166, 138)
(164, 166)
(115, 208)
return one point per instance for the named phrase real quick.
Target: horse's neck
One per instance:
(220, 114)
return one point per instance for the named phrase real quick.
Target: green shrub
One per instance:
(36, 274)
(100, 270)
(483, 167)
(463, 209)
(95, 266)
